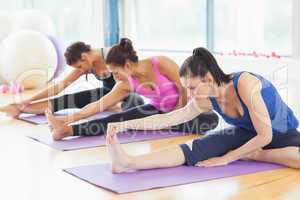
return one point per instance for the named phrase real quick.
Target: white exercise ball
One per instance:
(27, 57)
(6, 22)
(32, 19)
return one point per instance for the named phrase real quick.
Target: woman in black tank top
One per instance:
(84, 60)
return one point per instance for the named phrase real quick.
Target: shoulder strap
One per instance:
(132, 82)
(215, 105)
(236, 79)
(154, 62)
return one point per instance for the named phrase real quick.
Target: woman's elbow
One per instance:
(265, 139)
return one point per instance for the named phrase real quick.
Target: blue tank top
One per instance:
(282, 117)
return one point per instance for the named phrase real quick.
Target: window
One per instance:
(11, 5)
(176, 25)
(167, 24)
(76, 20)
(256, 25)
(263, 26)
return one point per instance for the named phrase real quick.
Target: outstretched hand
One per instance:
(214, 162)
(23, 104)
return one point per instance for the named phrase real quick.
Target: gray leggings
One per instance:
(219, 143)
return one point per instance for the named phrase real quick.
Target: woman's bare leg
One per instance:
(11, 110)
(122, 162)
(14, 110)
(288, 156)
(37, 108)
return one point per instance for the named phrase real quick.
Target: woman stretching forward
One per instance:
(84, 60)
(156, 78)
(265, 128)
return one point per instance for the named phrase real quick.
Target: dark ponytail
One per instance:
(202, 62)
(121, 52)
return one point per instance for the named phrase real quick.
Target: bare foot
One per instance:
(58, 128)
(11, 110)
(120, 160)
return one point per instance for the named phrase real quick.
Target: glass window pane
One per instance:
(11, 5)
(76, 20)
(169, 24)
(253, 25)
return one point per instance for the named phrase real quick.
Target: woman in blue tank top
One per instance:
(264, 127)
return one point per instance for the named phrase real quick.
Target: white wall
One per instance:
(296, 28)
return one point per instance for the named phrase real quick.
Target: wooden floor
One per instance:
(32, 171)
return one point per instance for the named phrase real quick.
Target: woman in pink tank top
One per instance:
(155, 78)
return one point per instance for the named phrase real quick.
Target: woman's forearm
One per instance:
(162, 121)
(56, 88)
(112, 98)
(87, 111)
(154, 122)
(182, 101)
(254, 144)
(45, 93)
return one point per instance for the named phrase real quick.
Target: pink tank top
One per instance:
(164, 96)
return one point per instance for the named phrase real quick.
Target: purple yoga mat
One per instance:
(100, 175)
(41, 119)
(75, 143)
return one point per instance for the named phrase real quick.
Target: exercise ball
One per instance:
(28, 58)
(61, 63)
(6, 22)
(31, 19)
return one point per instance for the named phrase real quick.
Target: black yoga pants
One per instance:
(83, 98)
(219, 143)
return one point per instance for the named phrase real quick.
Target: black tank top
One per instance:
(108, 80)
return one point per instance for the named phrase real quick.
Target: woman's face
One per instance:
(118, 72)
(200, 87)
(122, 72)
(85, 64)
(82, 65)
